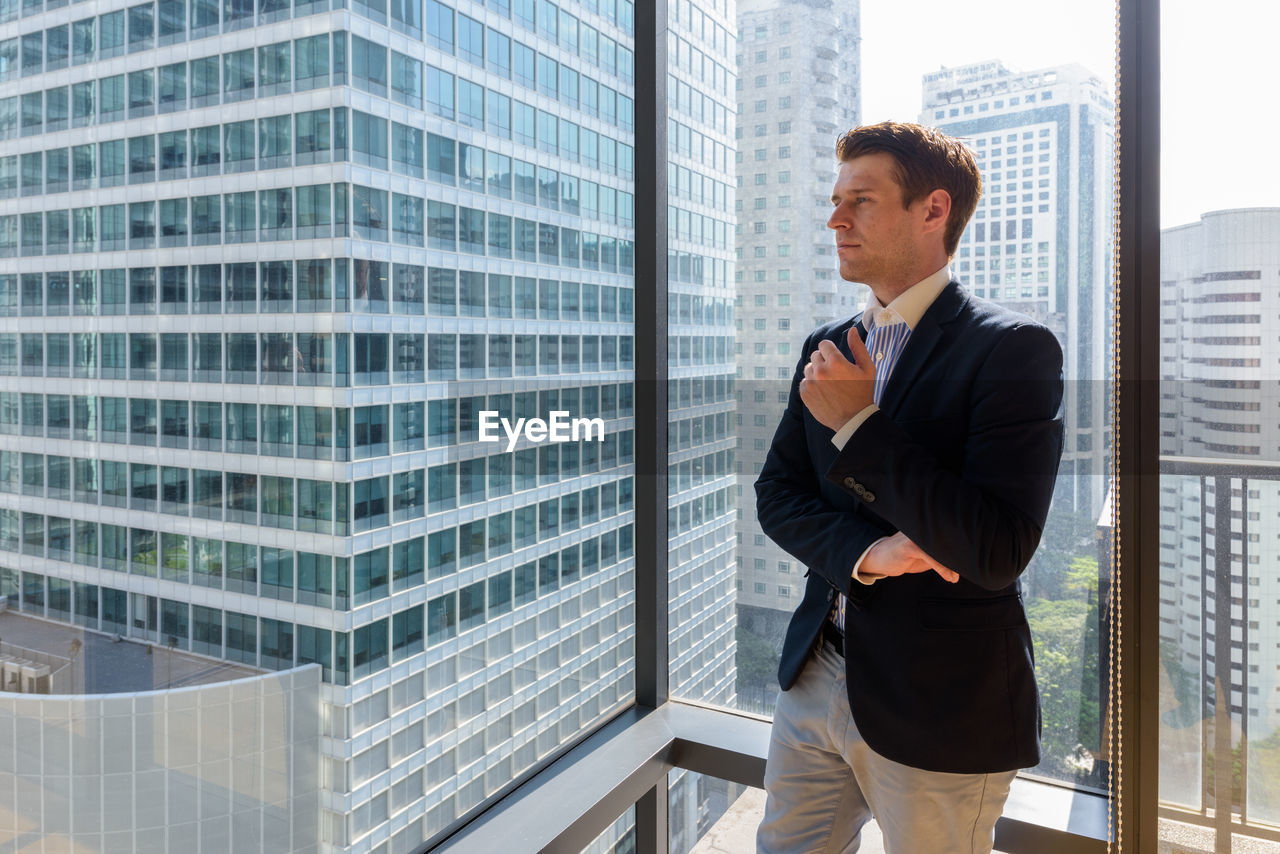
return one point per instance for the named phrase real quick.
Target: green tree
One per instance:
(757, 662)
(1064, 634)
(1067, 538)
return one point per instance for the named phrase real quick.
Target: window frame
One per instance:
(656, 735)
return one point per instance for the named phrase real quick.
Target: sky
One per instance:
(1217, 70)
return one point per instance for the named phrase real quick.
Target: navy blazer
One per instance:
(961, 458)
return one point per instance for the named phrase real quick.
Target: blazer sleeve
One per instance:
(792, 510)
(985, 520)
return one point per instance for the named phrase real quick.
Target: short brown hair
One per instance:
(927, 160)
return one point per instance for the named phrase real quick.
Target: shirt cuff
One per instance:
(867, 579)
(843, 435)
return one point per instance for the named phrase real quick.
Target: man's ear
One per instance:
(937, 209)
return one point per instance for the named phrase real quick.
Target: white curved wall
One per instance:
(232, 766)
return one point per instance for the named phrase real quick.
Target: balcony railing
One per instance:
(1230, 758)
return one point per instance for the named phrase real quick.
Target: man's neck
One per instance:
(888, 291)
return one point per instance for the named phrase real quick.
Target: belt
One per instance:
(833, 636)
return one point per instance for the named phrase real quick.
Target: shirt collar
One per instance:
(909, 306)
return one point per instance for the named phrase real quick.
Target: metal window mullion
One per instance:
(652, 831)
(652, 593)
(1137, 421)
(652, 658)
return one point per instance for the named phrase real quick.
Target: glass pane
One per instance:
(1032, 100)
(617, 838)
(1219, 717)
(701, 433)
(501, 572)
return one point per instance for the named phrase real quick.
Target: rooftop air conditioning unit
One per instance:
(12, 675)
(35, 678)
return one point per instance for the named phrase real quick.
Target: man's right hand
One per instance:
(898, 555)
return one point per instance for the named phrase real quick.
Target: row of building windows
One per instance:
(760, 32)
(181, 154)
(333, 136)
(703, 310)
(320, 359)
(104, 101)
(693, 268)
(319, 580)
(1012, 248)
(690, 18)
(147, 25)
(689, 515)
(1010, 263)
(1022, 292)
(281, 141)
(697, 228)
(327, 507)
(761, 57)
(278, 645)
(317, 211)
(762, 105)
(699, 187)
(685, 56)
(475, 43)
(998, 104)
(706, 151)
(688, 100)
(317, 285)
(140, 551)
(248, 639)
(322, 432)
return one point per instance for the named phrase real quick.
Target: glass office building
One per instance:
(263, 268)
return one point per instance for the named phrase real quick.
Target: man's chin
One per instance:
(853, 273)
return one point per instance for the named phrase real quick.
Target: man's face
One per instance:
(877, 240)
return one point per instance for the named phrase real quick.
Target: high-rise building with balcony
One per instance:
(1218, 399)
(1039, 241)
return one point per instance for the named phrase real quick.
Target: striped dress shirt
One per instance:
(889, 329)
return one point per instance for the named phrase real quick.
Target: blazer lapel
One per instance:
(924, 338)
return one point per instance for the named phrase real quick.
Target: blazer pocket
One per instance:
(971, 615)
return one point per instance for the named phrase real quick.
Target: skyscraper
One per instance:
(798, 89)
(702, 558)
(699, 348)
(1040, 241)
(1217, 402)
(268, 264)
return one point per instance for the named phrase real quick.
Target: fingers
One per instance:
(926, 563)
(826, 351)
(861, 357)
(918, 566)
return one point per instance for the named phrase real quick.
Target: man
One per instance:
(913, 482)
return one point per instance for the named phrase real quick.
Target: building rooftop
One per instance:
(105, 664)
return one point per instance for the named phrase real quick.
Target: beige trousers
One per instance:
(823, 782)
